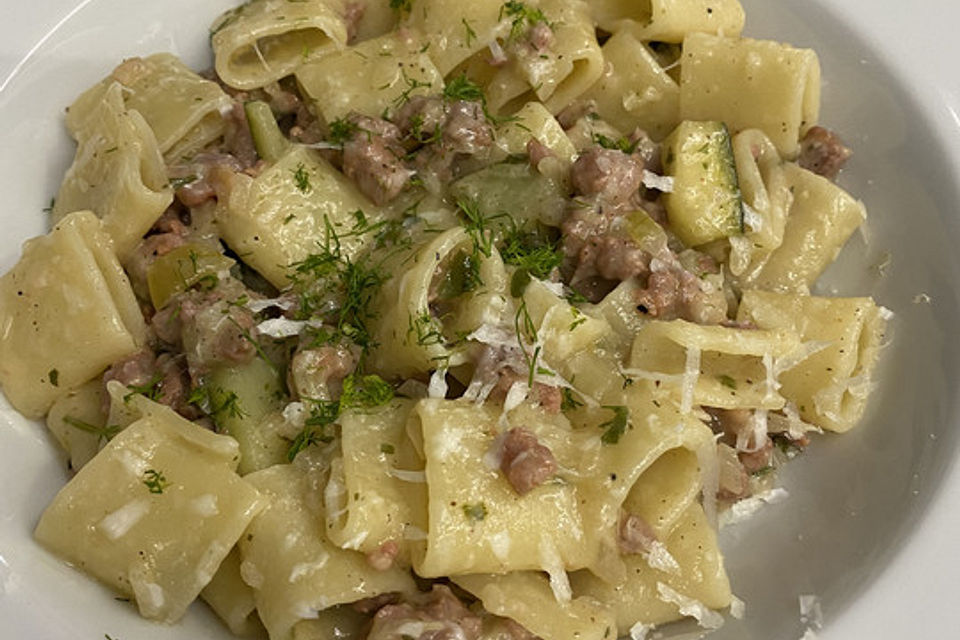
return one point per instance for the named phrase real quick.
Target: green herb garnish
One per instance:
(616, 426)
(155, 481)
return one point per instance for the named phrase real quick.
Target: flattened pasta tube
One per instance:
(66, 313)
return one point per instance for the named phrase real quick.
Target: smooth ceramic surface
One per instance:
(870, 526)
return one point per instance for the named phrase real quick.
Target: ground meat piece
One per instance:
(572, 114)
(466, 129)
(754, 461)
(166, 325)
(237, 139)
(175, 385)
(319, 373)
(822, 152)
(282, 102)
(537, 152)
(382, 559)
(136, 370)
(352, 14)
(369, 606)
(549, 397)
(604, 261)
(634, 535)
(373, 159)
(215, 332)
(202, 169)
(673, 292)
(540, 37)
(610, 174)
(421, 117)
(526, 463)
(438, 616)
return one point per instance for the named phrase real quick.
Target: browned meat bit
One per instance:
(822, 152)
(282, 101)
(540, 36)
(526, 463)
(162, 378)
(572, 114)
(421, 117)
(609, 174)
(441, 614)
(754, 461)
(318, 373)
(466, 129)
(634, 535)
(537, 152)
(604, 261)
(214, 331)
(382, 558)
(352, 14)
(373, 159)
(674, 292)
(201, 177)
(368, 606)
(736, 427)
(237, 139)
(136, 370)
(548, 396)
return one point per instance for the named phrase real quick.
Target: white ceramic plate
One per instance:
(870, 526)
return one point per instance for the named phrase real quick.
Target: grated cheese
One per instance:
(302, 569)
(639, 631)
(205, 505)
(704, 616)
(116, 524)
(691, 372)
(659, 558)
(552, 564)
(660, 183)
(745, 508)
(438, 384)
(250, 574)
(738, 608)
(407, 475)
(810, 611)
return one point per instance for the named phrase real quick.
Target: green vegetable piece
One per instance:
(184, 267)
(705, 204)
(645, 232)
(267, 137)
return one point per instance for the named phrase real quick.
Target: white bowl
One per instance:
(870, 526)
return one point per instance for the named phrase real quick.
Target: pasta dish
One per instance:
(438, 320)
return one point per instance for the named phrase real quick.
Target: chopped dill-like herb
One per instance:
(155, 481)
(106, 433)
(475, 512)
(616, 426)
(152, 389)
(522, 17)
(463, 88)
(342, 130)
(301, 178)
(568, 402)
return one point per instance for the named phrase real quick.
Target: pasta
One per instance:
(420, 318)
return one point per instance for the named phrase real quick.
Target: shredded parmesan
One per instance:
(250, 574)
(261, 305)
(810, 610)
(407, 475)
(285, 328)
(808, 635)
(751, 218)
(515, 396)
(738, 607)
(639, 631)
(117, 524)
(660, 558)
(500, 545)
(303, 569)
(150, 597)
(745, 508)
(660, 183)
(552, 564)
(691, 372)
(438, 384)
(705, 617)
